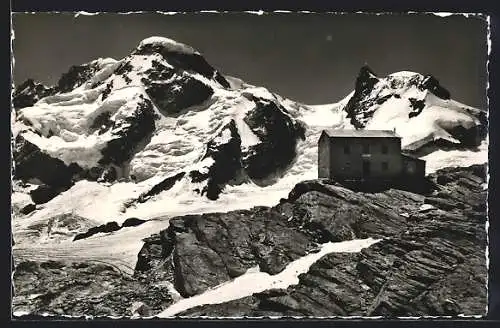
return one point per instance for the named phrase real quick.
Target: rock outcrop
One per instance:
(73, 289)
(33, 164)
(225, 152)
(431, 261)
(365, 82)
(181, 56)
(76, 76)
(202, 251)
(173, 91)
(29, 92)
(130, 134)
(279, 135)
(109, 227)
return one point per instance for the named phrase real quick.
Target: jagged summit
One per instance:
(417, 106)
(365, 73)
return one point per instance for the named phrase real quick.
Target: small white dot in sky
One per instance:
(329, 38)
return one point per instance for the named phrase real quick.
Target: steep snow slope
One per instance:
(148, 134)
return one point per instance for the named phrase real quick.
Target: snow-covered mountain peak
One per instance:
(163, 44)
(161, 112)
(417, 106)
(180, 57)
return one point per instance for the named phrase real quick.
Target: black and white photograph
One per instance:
(249, 165)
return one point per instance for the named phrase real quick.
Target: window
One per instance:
(366, 149)
(385, 166)
(385, 149)
(347, 149)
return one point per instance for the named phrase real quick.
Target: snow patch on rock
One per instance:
(255, 281)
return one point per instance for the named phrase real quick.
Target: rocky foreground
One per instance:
(431, 260)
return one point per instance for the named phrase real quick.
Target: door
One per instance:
(366, 169)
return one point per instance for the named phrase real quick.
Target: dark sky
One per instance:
(313, 58)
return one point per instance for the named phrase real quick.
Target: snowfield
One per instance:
(432, 123)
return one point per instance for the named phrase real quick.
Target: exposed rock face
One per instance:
(44, 193)
(279, 134)
(131, 133)
(72, 289)
(365, 82)
(432, 84)
(386, 102)
(76, 76)
(32, 163)
(170, 78)
(29, 92)
(166, 184)
(104, 228)
(172, 96)
(132, 222)
(231, 163)
(225, 151)
(109, 227)
(28, 209)
(431, 262)
(206, 250)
